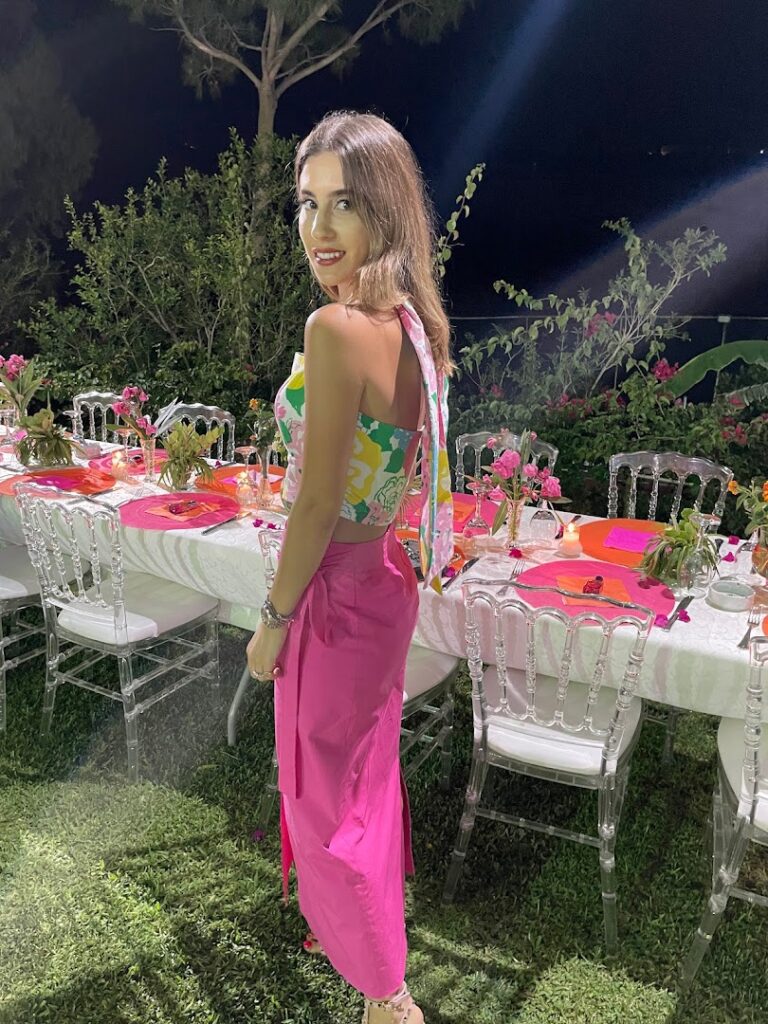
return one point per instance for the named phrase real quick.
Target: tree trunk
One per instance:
(267, 108)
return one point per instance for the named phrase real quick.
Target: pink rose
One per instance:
(121, 409)
(497, 494)
(530, 470)
(491, 442)
(550, 488)
(506, 464)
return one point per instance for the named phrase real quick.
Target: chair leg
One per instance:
(727, 876)
(446, 743)
(2, 676)
(51, 666)
(125, 666)
(477, 778)
(268, 797)
(212, 643)
(242, 686)
(610, 800)
(669, 739)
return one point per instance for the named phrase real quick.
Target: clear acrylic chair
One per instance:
(427, 723)
(670, 468)
(90, 416)
(20, 625)
(209, 416)
(477, 444)
(664, 469)
(9, 419)
(739, 806)
(531, 717)
(162, 635)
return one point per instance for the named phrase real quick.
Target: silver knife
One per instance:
(467, 565)
(681, 605)
(215, 526)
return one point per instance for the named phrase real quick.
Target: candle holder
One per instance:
(570, 545)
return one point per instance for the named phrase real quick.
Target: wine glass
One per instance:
(543, 527)
(696, 570)
(246, 451)
(476, 526)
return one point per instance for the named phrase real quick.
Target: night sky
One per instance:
(582, 110)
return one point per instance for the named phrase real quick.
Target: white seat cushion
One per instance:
(548, 746)
(17, 574)
(425, 669)
(730, 746)
(152, 607)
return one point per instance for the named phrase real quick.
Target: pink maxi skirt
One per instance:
(344, 807)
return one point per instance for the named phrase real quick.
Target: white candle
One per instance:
(569, 545)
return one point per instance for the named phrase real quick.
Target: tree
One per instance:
(46, 152)
(277, 43)
(170, 295)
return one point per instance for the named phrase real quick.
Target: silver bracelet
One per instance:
(272, 618)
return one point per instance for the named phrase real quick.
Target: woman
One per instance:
(338, 621)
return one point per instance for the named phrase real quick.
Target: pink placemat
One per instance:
(135, 461)
(647, 593)
(463, 507)
(182, 511)
(628, 540)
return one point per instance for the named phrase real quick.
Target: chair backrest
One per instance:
(94, 406)
(660, 464)
(76, 552)
(270, 543)
(555, 641)
(754, 773)
(210, 416)
(477, 443)
(9, 417)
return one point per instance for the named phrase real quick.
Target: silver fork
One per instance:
(517, 567)
(752, 621)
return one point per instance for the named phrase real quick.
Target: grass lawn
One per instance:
(152, 904)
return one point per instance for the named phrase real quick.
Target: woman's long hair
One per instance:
(387, 189)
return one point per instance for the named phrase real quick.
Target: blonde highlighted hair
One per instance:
(387, 190)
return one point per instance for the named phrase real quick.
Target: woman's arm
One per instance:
(334, 385)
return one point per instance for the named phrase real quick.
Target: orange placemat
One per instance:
(592, 535)
(65, 478)
(456, 563)
(225, 479)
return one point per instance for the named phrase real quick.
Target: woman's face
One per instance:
(334, 237)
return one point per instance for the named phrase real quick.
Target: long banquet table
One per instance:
(696, 665)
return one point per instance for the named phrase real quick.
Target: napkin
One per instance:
(611, 588)
(627, 540)
(200, 508)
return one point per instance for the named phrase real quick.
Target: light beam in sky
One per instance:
(528, 41)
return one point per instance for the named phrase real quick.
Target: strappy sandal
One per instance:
(401, 1007)
(312, 946)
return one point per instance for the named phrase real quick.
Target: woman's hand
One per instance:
(263, 650)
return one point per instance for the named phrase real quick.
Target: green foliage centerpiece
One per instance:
(667, 556)
(186, 451)
(44, 442)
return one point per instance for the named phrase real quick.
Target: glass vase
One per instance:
(514, 520)
(760, 554)
(148, 458)
(264, 496)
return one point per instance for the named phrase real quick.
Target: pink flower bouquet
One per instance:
(129, 409)
(516, 480)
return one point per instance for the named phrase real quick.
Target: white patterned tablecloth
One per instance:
(696, 665)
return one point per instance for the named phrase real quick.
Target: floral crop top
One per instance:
(382, 459)
(384, 456)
